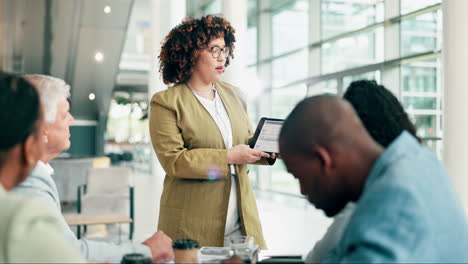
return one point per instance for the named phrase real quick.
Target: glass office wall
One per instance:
(339, 17)
(285, 99)
(289, 68)
(422, 99)
(421, 33)
(373, 75)
(408, 6)
(349, 52)
(324, 87)
(421, 89)
(289, 26)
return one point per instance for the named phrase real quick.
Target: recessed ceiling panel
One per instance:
(94, 13)
(92, 76)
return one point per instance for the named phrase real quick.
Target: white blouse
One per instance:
(219, 114)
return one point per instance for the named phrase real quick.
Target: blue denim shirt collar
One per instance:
(403, 145)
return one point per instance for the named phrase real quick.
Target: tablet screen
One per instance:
(267, 135)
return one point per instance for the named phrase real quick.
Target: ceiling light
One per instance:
(98, 56)
(92, 96)
(107, 9)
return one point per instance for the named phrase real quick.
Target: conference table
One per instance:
(85, 219)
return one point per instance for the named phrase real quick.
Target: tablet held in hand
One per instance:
(267, 135)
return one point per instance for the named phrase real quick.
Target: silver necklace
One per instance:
(202, 92)
(217, 114)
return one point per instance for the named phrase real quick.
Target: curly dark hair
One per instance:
(379, 110)
(182, 46)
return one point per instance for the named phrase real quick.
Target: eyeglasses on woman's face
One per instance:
(216, 51)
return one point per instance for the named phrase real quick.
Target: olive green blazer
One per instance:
(191, 150)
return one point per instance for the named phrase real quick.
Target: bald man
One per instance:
(406, 210)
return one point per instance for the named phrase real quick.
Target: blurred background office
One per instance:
(286, 50)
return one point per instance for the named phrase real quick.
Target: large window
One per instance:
(324, 87)
(341, 16)
(421, 90)
(408, 6)
(357, 40)
(285, 99)
(353, 51)
(421, 33)
(373, 75)
(289, 24)
(422, 99)
(289, 68)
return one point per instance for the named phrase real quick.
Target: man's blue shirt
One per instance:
(408, 212)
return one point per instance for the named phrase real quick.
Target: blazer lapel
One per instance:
(199, 112)
(229, 102)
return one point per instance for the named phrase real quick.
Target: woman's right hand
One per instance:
(243, 154)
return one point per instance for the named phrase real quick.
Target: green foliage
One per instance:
(121, 100)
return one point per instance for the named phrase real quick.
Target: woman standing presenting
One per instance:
(199, 129)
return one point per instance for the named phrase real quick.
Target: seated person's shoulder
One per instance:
(21, 212)
(386, 205)
(389, 192)
(35, 186)
(33, 233)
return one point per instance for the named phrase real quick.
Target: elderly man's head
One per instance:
(21, 117)
(325, 146)
(54, 93)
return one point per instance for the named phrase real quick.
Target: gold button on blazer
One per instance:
(191, 150)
